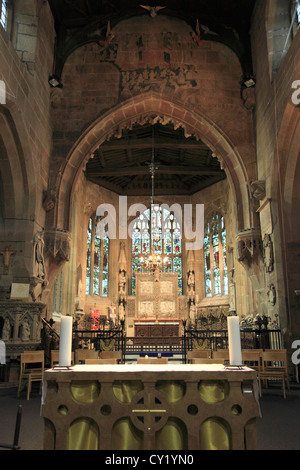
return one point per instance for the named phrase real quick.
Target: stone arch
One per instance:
(151, 107)
(19, 189)
(18, 173)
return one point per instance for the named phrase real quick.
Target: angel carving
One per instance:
(153, 10)
(108, 38)
(197, 35)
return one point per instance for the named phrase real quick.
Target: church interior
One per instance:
(149, 194)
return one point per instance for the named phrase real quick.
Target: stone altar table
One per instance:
(147, 407)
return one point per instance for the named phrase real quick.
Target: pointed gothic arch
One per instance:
(151, 107)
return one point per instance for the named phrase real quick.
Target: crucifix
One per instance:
(6, 255)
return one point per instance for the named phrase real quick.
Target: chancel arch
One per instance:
(153, 109)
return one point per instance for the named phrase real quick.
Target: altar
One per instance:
(150, 407)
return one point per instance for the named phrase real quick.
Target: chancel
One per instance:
(149, 227)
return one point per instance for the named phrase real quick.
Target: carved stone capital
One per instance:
(58, 244)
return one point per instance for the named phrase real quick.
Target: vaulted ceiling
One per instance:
(184, 166)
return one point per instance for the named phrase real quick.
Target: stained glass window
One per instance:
(161, 235)
(97, 261)
(3, 17)
(214, 249)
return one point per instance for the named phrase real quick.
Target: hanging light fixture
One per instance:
(154, 261)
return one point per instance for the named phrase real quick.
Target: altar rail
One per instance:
(218, 339)
(191, 339)
(101, 340)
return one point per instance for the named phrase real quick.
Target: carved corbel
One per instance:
(258, 189)
(249, 245)
(257, 192)
(58, 244)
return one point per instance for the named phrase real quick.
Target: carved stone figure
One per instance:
(272, 294)
(6, 330)
(25, 336)
(38, 260)
(268, 253)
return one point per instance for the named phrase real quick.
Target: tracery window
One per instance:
(97, 260)
(215, 267)
(157, 231)
(4, 13)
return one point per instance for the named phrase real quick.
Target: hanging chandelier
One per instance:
(154, 261)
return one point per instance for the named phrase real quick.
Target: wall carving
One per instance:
(21, 325)
(268, 253)
(156, 295)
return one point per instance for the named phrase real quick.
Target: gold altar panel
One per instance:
(83, 434)
(173, 436)
(125, 436)
(135, 407)
(215, 434)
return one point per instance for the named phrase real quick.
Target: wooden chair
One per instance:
(55, 357)
(101, 361)
(221, 354)
(198, 353)
(274, 367)
(112, 355)
(82, 354)
(252, 358)
(31, 370)
(153, 360)
(205, 360)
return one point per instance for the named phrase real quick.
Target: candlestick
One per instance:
(65, 342)
(234, 340)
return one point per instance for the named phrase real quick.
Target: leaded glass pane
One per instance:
(145, 243)
(161, 236)
(136, 242)
(167, 242)
(3, 17)
(97, 261)
(176, 242)
(214, 249)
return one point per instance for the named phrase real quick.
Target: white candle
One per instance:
(234, 340)
(65, 342)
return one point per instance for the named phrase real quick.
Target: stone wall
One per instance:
(278, 142)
